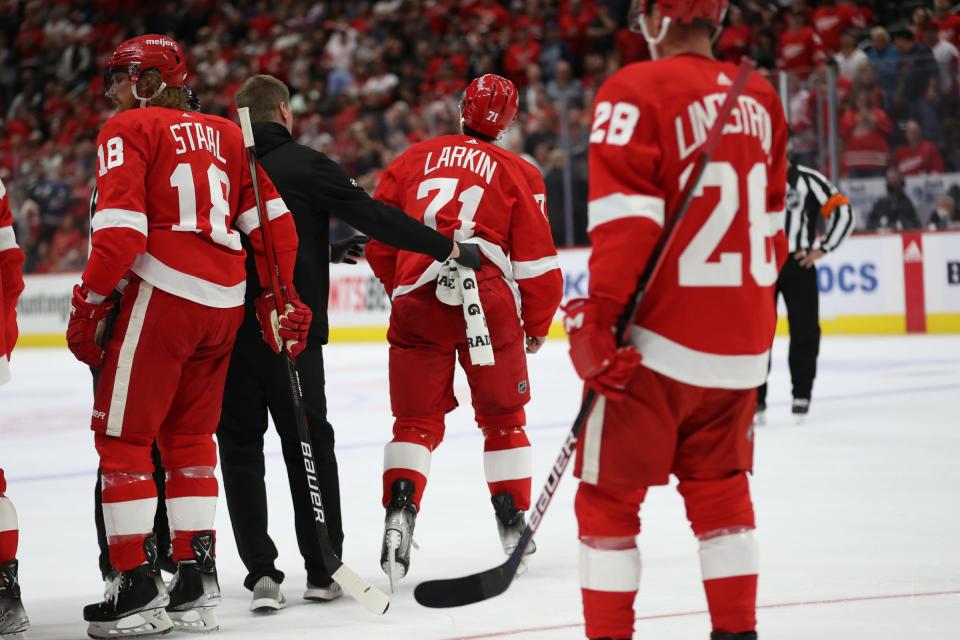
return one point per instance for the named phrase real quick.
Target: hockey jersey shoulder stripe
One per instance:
(114, 218)
(7, 239)
(188, 286)
(249, 220)
(621, 205)
(699, 368)
(534, 268)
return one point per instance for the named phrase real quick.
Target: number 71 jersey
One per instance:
(174, 192)
(709, 316)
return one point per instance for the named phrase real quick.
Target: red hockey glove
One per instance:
(590, 323)
(87, 312)
(291, 328)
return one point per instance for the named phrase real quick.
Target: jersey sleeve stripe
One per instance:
(534, 268)
(112, 218)
(248, 221)
(7, 239)
(620, 205)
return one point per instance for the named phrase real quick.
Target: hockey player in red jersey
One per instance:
(13, 619)
(679, 399)
(174, 193)
(468, 188)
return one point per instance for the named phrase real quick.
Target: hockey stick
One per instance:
(456, 592)
(364, 592)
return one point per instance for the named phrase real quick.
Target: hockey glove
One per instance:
(469, 255)
(590, 324)
(344, 251)
(291, 328)
(87, 313)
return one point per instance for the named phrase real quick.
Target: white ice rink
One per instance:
(858, 509)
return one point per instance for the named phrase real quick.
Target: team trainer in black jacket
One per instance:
(810, 199)
(313, 188)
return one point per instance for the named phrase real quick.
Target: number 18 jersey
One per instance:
(708, 317)
(174, 191)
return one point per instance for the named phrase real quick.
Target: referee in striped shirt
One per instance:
(810, 197)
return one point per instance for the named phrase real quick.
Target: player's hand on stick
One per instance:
(87, 313)
(590, 324)
(291, 328)
(534, 343)
(344, 251)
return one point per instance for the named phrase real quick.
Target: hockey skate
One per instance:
(323, 594)
(194, 590)
(510, 525)
(725, 635)
(13, 619)
(133, 602)
(398, 532)
(800, 409)
(267, 597)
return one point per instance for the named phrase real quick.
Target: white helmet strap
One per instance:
(661, 34)
(144, 101)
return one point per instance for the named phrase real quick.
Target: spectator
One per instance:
(830, 21)
(947, 57)
(886, 61)
(895, 211)
(918, 69)
(564, 89)
(850, 57)
(800, 47)
(918, 156)
(864, 129)
(947, 21)
(945, 214)
(735, 39)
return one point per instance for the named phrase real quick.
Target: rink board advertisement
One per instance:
(875, 283)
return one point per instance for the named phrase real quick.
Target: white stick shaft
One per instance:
(246, 127)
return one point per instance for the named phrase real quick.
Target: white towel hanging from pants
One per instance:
(457, 286)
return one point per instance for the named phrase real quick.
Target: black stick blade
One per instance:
(457, 592)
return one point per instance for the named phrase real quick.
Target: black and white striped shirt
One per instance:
(809, 193)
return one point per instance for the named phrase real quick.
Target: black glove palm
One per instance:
(469, 255)
(344, 251)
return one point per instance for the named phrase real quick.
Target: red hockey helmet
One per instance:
(139, 54)
(489, 105)
(681, 11)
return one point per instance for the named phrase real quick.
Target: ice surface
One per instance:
(858, 509)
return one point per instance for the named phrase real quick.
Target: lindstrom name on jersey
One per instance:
(749, 117)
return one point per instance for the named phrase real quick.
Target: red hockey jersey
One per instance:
(472, 190)
(173, 189)
(11, 284)
(708, 317)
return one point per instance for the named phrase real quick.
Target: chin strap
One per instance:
(651, 41)
(144, 101)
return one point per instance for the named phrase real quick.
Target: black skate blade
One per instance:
(457, 592)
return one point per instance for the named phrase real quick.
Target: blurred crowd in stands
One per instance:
(371, 77)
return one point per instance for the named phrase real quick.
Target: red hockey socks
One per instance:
(9, 536)
(721, 516)
(609, 559)
(191, 507)
(129, 507)
(507, 463)
(408, 454)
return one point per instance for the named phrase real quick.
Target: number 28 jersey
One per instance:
(709, 315)
(174, 191)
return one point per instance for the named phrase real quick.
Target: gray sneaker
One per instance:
(323, 594)
(266, 596)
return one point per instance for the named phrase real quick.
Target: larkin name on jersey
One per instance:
(471, 159)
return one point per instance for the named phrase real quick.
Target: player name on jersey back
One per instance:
(749, 117)
(196, 135)
(475, 160)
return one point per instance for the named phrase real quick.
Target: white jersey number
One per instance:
(446, 189)
(622, 118)
(696, 269)
(182, 180)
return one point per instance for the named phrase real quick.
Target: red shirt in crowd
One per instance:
(800, 50)
(734, 42)
(923, 158)
(830, 22)
(633, 46)
(517, 57)
(865, 147)
(949, 28)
